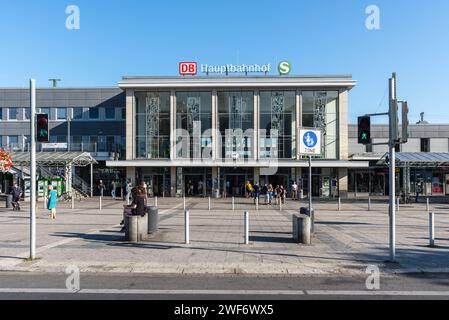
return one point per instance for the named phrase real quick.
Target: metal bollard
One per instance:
(155, 201)
(233, 204)
(73, 202)
(339, 204)
(428, 204)
(431, 229)
(369, 203)
(280, 205)
(257, 204)
(397, 205)
(44, 203)
(184, 198)
(209, 207)
(187, 226)
(246, 217)
(101, 203)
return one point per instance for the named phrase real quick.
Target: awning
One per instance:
(419, 159)
(242, 164)
(49, 159)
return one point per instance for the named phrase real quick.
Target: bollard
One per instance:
(280, 205)
(339, 204)
(233, 204)
(187, 227)
(44, 203)
(209, 205)
(246, 217)
(184, 200)
(155, 201)
(73, 202)
(257, 204)
(428, 205)
(431, 229)
(369, 203)
(397, 206)
(101, 204)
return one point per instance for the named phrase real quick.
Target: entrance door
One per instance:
(235, 185)
(195, 185)
(155, 185)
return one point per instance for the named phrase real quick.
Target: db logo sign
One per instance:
(188, 68)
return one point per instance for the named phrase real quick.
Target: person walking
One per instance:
(101, 188)
(264, 192)
(16, 193)
(113, 190)
(270, 194)
(294, 191)
(52, 201)
(277, 192)
(282, 194)
(256, 192)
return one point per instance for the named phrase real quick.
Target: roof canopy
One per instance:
(78, 159)
(419, 159)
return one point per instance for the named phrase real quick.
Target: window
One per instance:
(46, 111)
(1, 114)
(27, 113)
(153, 125)
(61, 113)
(425, 145)
(123, 113)
(13, 113)
(13, 141)
(110, 113)
(94, 113)
(78, 113)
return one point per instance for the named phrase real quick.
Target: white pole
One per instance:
(431, 229)
(339, 204)
(209, 205)
(184, 199)
(392, 171)
(73, 200)
(428, 205)
(397, 201)
(369, 203)
(101, 198)
(257, 204)
(187, 227)
(280, 204)
(246, 216)
(233, 204)
(155, 201)
(92, 180)
(33, 170)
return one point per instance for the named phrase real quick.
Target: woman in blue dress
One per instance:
(52, 199)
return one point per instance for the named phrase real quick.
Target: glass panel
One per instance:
(77, 113)
(61, 113)
(110, 113)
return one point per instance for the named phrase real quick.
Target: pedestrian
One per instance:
(270, 194)
(52, 200)
(101, 188)
(113, 190)
(277, 192)
(249, 189)
(137, 206)
(16, 193)
(294, 191)
(282, 194)
(264, 192)
(256, 192)
(144, 190)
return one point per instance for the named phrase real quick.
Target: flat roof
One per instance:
(420, 159)
(79, 159)
(332, 81)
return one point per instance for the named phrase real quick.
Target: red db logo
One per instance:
(188, 68)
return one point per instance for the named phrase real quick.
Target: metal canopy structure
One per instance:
(419, 159)
(49, 159)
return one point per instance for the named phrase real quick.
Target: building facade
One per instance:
(210, 135)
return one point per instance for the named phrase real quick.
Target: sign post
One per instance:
(33, 170)
(310, 145)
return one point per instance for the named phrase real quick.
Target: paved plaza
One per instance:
(345, 242)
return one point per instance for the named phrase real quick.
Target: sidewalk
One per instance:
(345, 242)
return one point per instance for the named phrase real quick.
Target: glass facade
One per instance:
(320, 110)
(193, 124)
(236, 124)
(278, 120)
(153, 125)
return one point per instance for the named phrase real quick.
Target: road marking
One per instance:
(225, 292)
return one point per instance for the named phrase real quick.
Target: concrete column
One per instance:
(131, 174)
(256, 125)
(130, 129)
(343, 182)
(172, 125)
(172, 182)
(214, 125)
(343, 126)
(257, 175)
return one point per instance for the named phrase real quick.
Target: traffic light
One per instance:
(364, 132)
(405, 122)
(43, 133)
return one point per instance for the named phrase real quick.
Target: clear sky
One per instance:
(149, 37)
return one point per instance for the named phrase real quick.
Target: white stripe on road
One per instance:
(226, 292)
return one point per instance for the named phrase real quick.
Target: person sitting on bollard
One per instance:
(137, 207)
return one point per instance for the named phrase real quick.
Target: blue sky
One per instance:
(141, 37)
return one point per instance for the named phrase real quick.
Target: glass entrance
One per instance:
(155, 185)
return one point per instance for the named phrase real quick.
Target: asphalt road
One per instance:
(153, 287)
